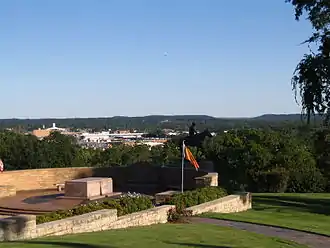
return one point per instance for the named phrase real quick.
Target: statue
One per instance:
(195, 139)
(192, 129)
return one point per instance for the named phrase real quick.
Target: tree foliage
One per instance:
(264, 160)
(20, 151)
(153, 124)
(311, 79)
(260, 160)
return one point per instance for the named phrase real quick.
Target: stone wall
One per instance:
(228, 204)
(90, 222)
(124, 178)
(22, 227)
(157, 215)
(41, 178)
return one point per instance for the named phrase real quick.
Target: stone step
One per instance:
(13, 211)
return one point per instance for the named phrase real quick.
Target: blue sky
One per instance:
(82, 58)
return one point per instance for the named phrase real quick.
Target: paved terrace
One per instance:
(37, 200)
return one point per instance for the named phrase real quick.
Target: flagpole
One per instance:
(182, 165)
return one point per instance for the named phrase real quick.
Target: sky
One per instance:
(97, 58)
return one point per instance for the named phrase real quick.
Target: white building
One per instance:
(126, 135)
(54, 128)
(96, 137)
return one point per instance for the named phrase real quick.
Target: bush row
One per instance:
(125, 205)
(131, 203)
(281, 180)
(195, 197)
(192, 198)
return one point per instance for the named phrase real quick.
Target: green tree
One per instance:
(311, 79)
(242, 157)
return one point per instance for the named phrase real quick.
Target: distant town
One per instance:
(107, 138)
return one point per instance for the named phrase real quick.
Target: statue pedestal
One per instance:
(88, 188)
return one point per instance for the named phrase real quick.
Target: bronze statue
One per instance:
(196, 140)
(192, 129)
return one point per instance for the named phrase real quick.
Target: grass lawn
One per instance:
(308, 212)
(158, 236)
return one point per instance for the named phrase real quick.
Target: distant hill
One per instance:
(283, 117)
(152, 122)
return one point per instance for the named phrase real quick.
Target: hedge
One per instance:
(131, 203)
(273, 181)
(195, 197)
(125, 205)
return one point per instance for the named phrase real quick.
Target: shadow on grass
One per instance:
(62, 244)
(317, 206)
(198, 245)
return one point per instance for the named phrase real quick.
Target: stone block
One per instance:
(87, 188)
(210, 179)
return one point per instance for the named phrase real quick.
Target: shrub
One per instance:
(308, 180)
(274, 181)
(178, 216)
(195, 197)
(125, 205)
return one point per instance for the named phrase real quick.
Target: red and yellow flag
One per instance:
(190, 157)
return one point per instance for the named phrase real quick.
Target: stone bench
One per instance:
(59, 186)
(162, 197)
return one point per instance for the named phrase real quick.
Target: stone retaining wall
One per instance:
(228, 204)
(24, 227)
(90, 222)
(157, 215)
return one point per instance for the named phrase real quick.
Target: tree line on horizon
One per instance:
(152, 123)
(287, 159)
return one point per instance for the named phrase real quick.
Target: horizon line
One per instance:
(145, 116)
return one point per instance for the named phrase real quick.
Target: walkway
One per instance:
(311, 240)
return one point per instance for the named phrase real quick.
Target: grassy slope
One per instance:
(308, 212)
(167, 235)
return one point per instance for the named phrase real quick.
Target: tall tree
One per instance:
(311, 77)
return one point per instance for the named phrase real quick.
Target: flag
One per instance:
(189, 156)
(2, 167)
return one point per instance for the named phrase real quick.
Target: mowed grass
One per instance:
(159, 236)
(307, 212)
